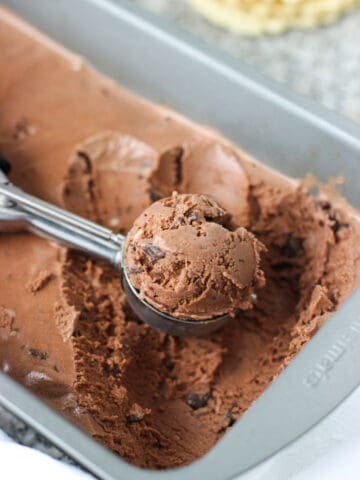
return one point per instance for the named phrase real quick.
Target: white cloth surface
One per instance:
(19, 463)
(330, 450)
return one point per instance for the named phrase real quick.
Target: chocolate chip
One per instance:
(178, 165)
(229, 417)
(113, 370)
(38, 354)
(221, 219)
(133, 418)
(5, 166)
(169, 365)
(325, 205)
(135, 270)
(87, 161)
(337, 224)
(293, 246)
(66, 191)
(56, 368)
(153, 252)
(196, 401)
(154, 196)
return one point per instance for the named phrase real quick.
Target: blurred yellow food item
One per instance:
(256, 17)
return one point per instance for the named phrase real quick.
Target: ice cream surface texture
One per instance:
(187, 259)
(78, 140)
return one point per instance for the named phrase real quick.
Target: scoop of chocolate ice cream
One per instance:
(186, 258)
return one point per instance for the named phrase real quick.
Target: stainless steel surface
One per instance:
(53, 223)
(20, 211)
(53, 213)
(286, 132)
(167, 323)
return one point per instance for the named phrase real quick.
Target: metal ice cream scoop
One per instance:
(20, 211)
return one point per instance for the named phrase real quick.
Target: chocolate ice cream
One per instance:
(67, 333)
(187, 259)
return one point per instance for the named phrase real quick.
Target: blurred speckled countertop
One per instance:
(323, 64)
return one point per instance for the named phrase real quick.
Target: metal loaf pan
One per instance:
(290, 134)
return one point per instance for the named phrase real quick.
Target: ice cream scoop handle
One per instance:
(22, 211)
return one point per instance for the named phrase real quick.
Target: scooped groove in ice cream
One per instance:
(187, 259)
